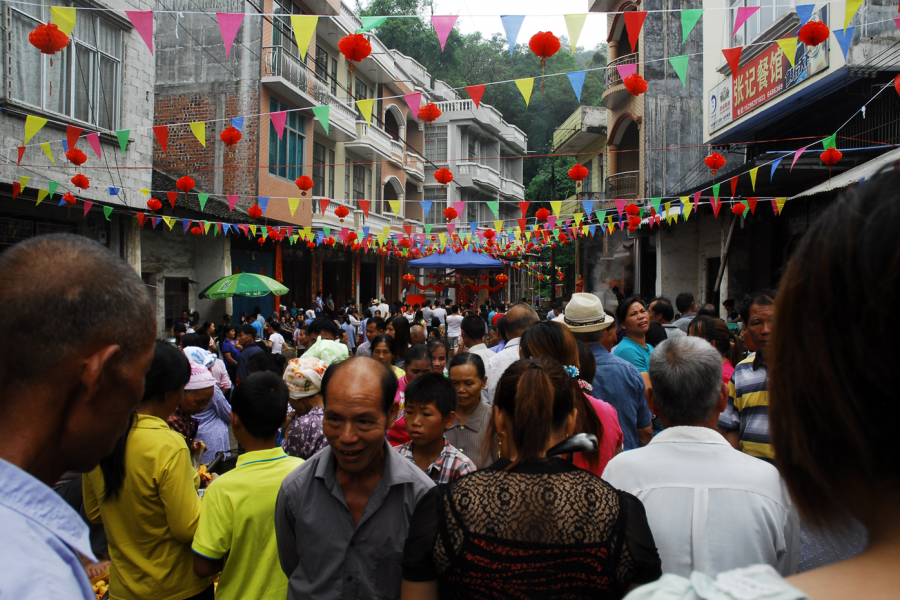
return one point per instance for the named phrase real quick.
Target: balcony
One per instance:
(487, 116)
(288, 75)
(512, 188)
(396, 157)
(584, 127)
(414, 165)
(623, 185)
(615, 93)
(329, 219)
(351, 20)
(341, 118)
(371, 142)
(473, 174)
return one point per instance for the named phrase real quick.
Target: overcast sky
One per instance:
(483, 16)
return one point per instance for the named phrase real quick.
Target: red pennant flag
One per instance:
(751, 202)
(523, 206)
(162, 135)
(634, 21)
(324, 202)
(141, 217)
(733, 58)
(897, 83)
(173, 196)
(523, 224)
(87, 207)
(475, 93)
(72, 135)
(716, 207)
(364, 205)
(733, 185)
(17, 189)
(408, 229)
(21, 150)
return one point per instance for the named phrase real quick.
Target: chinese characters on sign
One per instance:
(759, 80)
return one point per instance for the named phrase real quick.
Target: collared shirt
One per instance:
(40, 539)
(483, 351)
(619, 383)
(711, 509)
(685, 321)
(323, 552)
(364, 349)
(672, 331)
(748, 407)
(499, 347)
(236, 520)
(449, 466)
(497, 366)
(467, 438)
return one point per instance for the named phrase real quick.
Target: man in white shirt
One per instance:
(519, 318)
(555, 310)
(384, 309)
(473, 330)
(711, 509)
(454, 321)
(440, 313)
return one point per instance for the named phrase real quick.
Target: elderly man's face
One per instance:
(355, 423)
(417, 335)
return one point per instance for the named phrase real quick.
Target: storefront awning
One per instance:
(863, 171)
(452, 260)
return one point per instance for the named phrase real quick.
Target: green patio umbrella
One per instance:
(243, 284)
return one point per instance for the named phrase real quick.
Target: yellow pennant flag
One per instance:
(206, 227)
(144, 191)
(46, 148)
(293, 203)
(307, 233)
(578, 217)
(63, 18)
(669, 213)
(381, 239)
(780, 202)
(686, 207)
(611, 228)
(387, 231)
(528, 236)
(556, 205)
(253, 230)
(584, 230)
(365, 107)
(849, 10)
(789, 47)
(395, 206)
(168, 221)
(498, 226)
(23, 181)
(443, 238)
(753, 177)
(41, 195)
(525, 86)
(574, 23)
(304, 27)
(199, 130)
(32, 126)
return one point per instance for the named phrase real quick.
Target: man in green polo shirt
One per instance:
(236, 534)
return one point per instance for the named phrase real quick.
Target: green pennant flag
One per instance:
(107, 210)
(370, 23)
(680, 65)
(322, 113)
(494, 206)
(601, 214)
(428, 227)
(327, 231)
(123, 134)
(716, 191)
(655, 202)
(216, 230)
(52, 186)
(202, 198)
(746, 210)
(689, 19)
(830, 141)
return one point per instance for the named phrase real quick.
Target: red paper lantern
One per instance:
(81, 182)
(578, 173)
(69, 198)
(154, 205)
(450, 213)
(502, 279)
(76, 157)
(738, 208)
(813, 33)
(544, 45)
(230, 135)
(196, 230)
(429, 112)
(634, 221)
(310, 245)
(542, 214)
(405, 243)
(352, 236)
(48, 39)
(408, 279)
(261, 241)
(714, 161)
(443, 176)
(185, 184)
(489, 234)
(341, 212)
(635, 84)
(304, 183)
(355, 48)
(255, 211)
(831, 156)
(632, 209)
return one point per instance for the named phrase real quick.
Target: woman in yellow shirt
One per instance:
(145, 494)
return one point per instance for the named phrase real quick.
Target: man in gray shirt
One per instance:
(661, 310)
(341, 517)
(684, 302)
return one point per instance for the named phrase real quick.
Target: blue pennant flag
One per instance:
(263, 202)
(61, 202)
(592, 229)
(238, 123)
(186, 223)
(576, 78)
(65, 146)
(844, 37)
(426, 207)
(473, 227)
(804, 11)
(512, 24)
(365, 232)
(774, 166)
(114, 191)
(588, 207)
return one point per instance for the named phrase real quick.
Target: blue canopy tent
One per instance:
(466, 259)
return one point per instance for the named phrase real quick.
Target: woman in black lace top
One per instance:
(529, 526)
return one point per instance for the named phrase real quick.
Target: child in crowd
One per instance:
(430, 408)
(235, 534)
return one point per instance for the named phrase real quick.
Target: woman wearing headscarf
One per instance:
(303, 435)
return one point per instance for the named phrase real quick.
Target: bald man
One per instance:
(416, 335)
(64, 405)
(519, 318)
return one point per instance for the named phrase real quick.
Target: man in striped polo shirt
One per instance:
(745, 421)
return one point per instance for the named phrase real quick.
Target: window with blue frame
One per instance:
(286, 154)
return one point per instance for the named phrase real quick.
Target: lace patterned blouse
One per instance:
(547, 529)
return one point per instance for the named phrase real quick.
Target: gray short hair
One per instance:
(686, 374)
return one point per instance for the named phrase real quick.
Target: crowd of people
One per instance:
(419, 452)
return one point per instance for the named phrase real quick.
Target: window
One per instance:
(321, 64)
(349, 87)
(286, 155)
(347, 168)
(84, 82)
(333, 76)
(588, 184)
(436, 143)
(359, 182)
(473, 149)
(436, 196)
(769, 12)
(282, 31)
(331, 173)
(369, 188)
(177, 298)
(318, 169)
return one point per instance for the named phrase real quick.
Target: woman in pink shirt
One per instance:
(716, 332)
(612, 440)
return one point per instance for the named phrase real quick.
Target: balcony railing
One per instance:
(338, 110)
(481, 174)
(352, 18)
(415, 164)
(511, 187)
(329, 218)
(279, 62)
(612, 73)
(623, 185)
(397, 150)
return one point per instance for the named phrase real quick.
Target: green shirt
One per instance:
(238, 519)
(634, 353)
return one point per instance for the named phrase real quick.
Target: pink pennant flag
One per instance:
(324, 202)
(229, 23)
(696, 200)
(775, 206)
(620, 206)
(232, 200)
(244, 229)
(87, 207)
(743, 13)
(442, 27)
(897, 21)
(343, 234)
(290, 231)
(94, 140)
(797, 155)
(551, 221)
(414, 100)
(143, 23)
(626, 70)
(460, 209)
(452, 226)
(278, 121)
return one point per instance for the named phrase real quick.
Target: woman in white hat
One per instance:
(303, 436)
